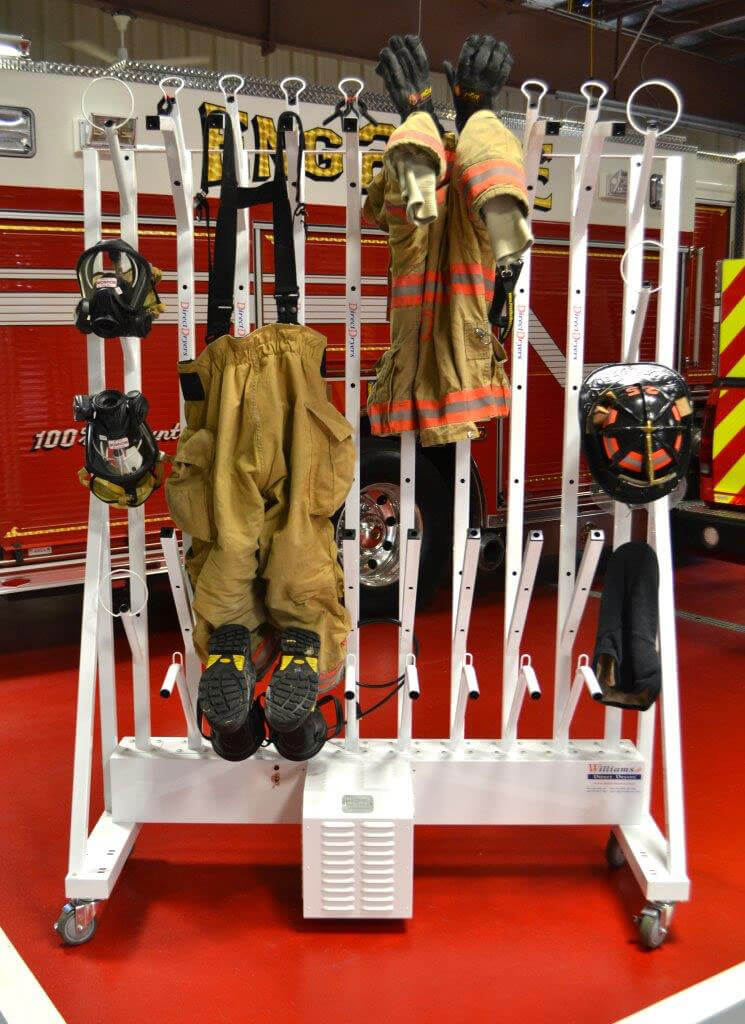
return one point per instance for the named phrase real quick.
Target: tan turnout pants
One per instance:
(264, 461)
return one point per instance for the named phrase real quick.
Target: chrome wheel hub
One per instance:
(380, 520)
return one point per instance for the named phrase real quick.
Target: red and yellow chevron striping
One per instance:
(728, 474)
(732, 325)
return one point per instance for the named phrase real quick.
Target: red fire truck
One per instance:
(42, 505)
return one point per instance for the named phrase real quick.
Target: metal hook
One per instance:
(350, 96)
(174, 92)
(593, 102)
(226, 78)
(664, 84)
(292, 101)
(534, 89)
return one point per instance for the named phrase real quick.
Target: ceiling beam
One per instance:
(555, 46)
(719, 48)
(701, 18)
(621, 9)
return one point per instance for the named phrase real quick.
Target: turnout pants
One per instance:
(264, 461)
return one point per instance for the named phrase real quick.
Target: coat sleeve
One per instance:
(488, 163)
(418, 138)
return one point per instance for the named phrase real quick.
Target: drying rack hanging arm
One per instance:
(168, 122)
(527, 683)
(118, 159)
(584, 678)
(468, 689)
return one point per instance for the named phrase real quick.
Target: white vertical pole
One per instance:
(461, 521)
(180, 172)
(659, 534)
(86, 705)
(242, 278)
(296, 188)
(640, 169)
(97, 382)
(585, 176)
(352, 351)
(407, 521)
(126, 177)
(535, 132)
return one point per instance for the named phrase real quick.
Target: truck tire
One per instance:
(380, 466)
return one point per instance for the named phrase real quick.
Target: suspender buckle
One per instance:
(287, 306)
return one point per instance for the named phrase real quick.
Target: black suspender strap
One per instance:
(502, 310)
(232, 199)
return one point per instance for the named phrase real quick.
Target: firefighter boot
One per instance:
(227, 683)
(293, 688)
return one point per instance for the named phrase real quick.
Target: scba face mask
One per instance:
(119, 297)
(122, 463)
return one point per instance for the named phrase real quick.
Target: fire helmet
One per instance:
(636, 424)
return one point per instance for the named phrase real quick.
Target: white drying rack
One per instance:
(358, 799)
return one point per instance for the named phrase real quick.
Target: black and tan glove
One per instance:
(404, 67)
(484, 66)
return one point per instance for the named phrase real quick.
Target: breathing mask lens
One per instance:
(118, 291)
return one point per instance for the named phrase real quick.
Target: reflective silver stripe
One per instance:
(463, 406)
(407, 289)
(472, 405)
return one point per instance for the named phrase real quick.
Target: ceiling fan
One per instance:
(122, 20)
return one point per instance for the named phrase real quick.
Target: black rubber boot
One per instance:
(626, 661)
(239, 745)
(227, 683)
(293, 688)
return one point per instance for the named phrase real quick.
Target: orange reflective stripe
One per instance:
(408, 135)
(394, 211)
(491, 167)
(660, 458)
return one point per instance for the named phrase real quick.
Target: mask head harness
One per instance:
(115, 282)
(122, 463)
(636, 422)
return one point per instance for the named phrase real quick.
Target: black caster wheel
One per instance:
(654, 924)
(73, 932)
(614, 855)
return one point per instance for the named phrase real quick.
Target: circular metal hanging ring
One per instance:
(123, 574)
(664, 84)
(647, 241)
(108, 78)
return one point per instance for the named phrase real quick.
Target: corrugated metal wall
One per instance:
(54, 25)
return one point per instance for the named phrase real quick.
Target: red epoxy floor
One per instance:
(519, 924)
